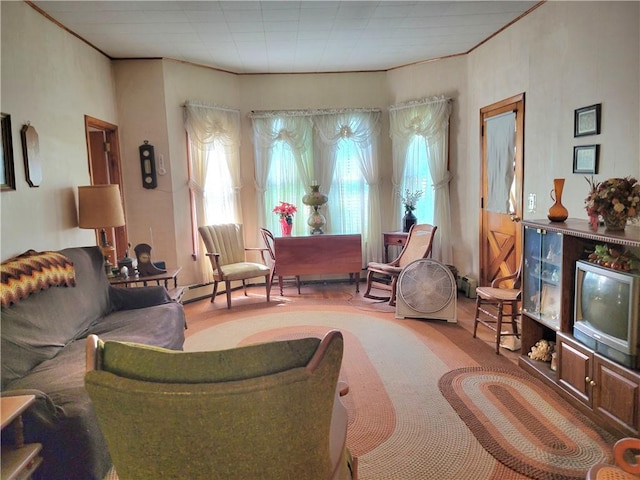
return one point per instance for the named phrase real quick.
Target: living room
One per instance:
(562, 55)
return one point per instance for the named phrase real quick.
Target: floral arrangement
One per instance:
(286, 211)
(613, 199)
(409, 199)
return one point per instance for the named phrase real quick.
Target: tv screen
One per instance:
(605, 304)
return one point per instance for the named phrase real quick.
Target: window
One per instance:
(417, 177)
(349, 191)
(218, 187)
(336, 149)
(283, 185)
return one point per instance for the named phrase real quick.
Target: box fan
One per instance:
(426, 288)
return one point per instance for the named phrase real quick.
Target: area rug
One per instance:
(526, 430)
(400, 424)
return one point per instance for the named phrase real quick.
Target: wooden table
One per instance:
(19, 460)
(161, 278)
(398, 239)
(318, 255)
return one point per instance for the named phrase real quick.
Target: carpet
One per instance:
(526, 430)
(400, 424)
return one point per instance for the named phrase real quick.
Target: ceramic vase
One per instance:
(557, 212)
(285, 227)
(315, 199)
(408, 220)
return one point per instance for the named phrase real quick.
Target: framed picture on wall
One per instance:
(7, 174)
(585, 159)
(586, 120)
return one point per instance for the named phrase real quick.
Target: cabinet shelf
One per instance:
(539, 367)
(550, 253)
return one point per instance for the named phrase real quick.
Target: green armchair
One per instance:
(267, 411)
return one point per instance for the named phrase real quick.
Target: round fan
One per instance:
(426, 289)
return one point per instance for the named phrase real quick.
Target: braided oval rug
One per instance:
(521, 425)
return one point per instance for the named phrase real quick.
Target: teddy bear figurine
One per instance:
(542, 350)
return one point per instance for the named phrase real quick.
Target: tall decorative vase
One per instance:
(315, 199)
(286, 227)
(614, 222)
(557, 212)
(408, 220)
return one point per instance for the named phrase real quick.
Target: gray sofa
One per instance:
(43, 353)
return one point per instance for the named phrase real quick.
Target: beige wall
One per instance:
(564, 55)
(51, 80)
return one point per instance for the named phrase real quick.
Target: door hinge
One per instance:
(481, 202)
(107, 147)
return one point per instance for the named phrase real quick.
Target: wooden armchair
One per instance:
(269, 242)
(226, 250)
(270, 411)
(383, 276)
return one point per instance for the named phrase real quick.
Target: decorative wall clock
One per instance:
(148, 165)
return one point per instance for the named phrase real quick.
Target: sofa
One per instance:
(43, 336)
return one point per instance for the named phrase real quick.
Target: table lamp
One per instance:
(100, 207)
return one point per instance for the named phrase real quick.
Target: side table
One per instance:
(175, 292)
(398, 239)
(18, 460)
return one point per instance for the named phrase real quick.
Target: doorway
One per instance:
(502, 140)
(104, 168)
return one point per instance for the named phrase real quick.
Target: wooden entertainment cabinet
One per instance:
(606, 391)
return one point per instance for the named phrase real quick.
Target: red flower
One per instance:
(285, 210)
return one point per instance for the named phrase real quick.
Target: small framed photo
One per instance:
(586, 120)
(7, 174)
(585, 159)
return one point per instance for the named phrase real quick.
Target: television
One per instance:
(606, 308)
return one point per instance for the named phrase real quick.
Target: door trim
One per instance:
(118, 236)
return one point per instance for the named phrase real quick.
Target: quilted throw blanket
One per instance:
(31, 272)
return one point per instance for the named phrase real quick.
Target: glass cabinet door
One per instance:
(542, 276)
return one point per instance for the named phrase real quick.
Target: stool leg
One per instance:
(477, 315)
(499, 327)
(514, 317)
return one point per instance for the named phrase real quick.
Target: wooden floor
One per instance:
(202, 313)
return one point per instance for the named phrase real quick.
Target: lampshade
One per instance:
(100, 206)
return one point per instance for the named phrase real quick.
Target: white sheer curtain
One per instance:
(501, 144)
(361, 129)
(428, 118)
(214, 137)
(297, 132)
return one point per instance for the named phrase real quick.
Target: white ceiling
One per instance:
(286, 36)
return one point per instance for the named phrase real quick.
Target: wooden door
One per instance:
(500, 230)
(104, 168)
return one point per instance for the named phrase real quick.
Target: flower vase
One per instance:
(614, 221)
(408, 220)
(557, 212)
(286, 227)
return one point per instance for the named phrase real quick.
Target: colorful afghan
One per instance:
(34, 271)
